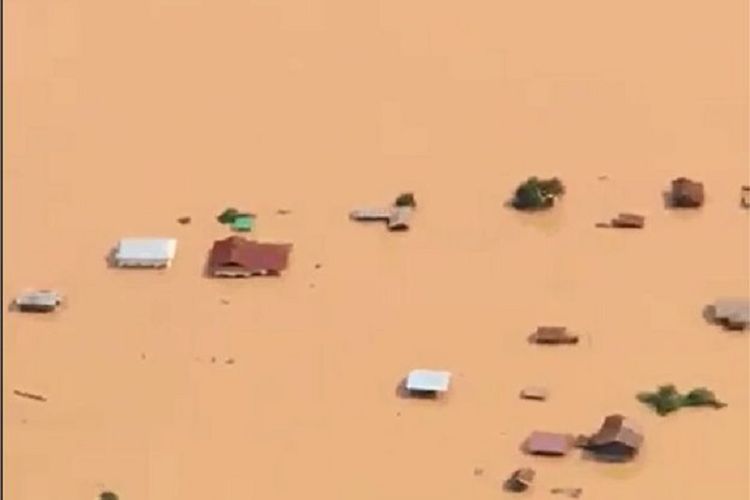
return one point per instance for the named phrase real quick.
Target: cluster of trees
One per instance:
(667, 399)
(108, 495)
(406, 200)
(537, 193)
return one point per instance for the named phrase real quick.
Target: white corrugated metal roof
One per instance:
(39, 298)
(370, 214)
(428, 380)
(146, 249)
(733, 309)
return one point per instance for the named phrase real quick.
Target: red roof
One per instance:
(250, 256)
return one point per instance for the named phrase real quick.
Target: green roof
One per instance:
(243, 223)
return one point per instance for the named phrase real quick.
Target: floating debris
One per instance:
(108, 495)
(28, 395)
(213, 359)
(478, 471)
(230, 361)
(184, 220)
(283, 211)
(224, 301)
(570, 492)
(318, 266)
(745, 196)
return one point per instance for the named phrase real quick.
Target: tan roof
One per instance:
(617, 429)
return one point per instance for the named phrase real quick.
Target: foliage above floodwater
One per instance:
(406, 200)
(668, 399)
(535, 193)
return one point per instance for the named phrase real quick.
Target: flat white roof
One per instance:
(428, 380)
(733, 309)
(146, 249)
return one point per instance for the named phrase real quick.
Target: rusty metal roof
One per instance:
(548, 443)
(249, 255)
(617, 429)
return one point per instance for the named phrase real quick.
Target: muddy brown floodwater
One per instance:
(121, 117)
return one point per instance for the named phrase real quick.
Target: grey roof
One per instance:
(39, 298)
(371, 214)
(428, 380)
(399, 218)
(734, 310)
(146, 249)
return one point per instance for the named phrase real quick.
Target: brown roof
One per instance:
(249, 255)
(553, 335)
(548, 443)
(687, 193)
(629, 220)
(617, 429)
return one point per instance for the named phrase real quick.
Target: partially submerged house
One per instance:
(145, 252)
(237, 257)
(38, 301)
(552, 335)
(421, 382)
(734, 314)
(618, 439)
(548, 443)
(686, 193)
(370, 214)
(520, 480)
(628, 220)
(397, 218)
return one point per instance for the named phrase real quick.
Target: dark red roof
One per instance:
(249, 255)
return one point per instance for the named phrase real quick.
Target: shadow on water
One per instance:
(109, 258)
(403, 393)
(666, 197)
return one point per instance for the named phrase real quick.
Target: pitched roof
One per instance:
(686, 192)
(617, 429)
(249, 255)
(146, 249)
(735, 310)
(428, 380)
(399, 218)
(548, 443)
